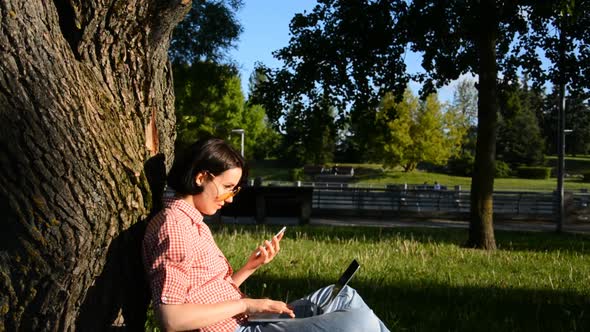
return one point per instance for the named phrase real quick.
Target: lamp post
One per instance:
(241, 132)
(561, 124)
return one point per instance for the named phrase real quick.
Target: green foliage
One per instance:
(533, 172)
(577, 142)
(261, 141)
(577, 119)
(502, 169)
(339, 57)
(463, 110)
(465, 101)
(210, 102)
(519, 135)
(297, 174)
(461, 165)
(309, 136)
(414, 131)
(206, 32)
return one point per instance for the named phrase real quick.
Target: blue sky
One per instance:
(266, 29)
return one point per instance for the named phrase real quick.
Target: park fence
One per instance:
(333, 199)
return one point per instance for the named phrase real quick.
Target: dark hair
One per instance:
(213, 155)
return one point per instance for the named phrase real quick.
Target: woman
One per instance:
(193, 286)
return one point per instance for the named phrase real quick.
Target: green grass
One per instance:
(423, 280)
(419, 177)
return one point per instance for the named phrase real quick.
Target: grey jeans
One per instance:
(348, 312)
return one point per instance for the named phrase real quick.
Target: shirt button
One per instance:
(164, 299)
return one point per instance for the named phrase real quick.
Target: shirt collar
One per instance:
(190, 211)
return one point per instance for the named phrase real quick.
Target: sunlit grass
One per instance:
(424, 280)
(420, 177)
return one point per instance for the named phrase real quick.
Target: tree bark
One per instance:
(86, 133)
(481, 229)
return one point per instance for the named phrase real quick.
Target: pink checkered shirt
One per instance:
(184, 264)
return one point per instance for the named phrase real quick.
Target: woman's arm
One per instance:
(268, 251)
(189, 316)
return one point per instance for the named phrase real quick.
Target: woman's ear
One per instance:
(200, 178)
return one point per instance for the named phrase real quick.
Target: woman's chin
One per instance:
(210, 212)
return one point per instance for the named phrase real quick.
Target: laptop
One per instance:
(305, 308)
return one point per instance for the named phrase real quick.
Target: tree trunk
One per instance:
(481, 228)
(86, 118)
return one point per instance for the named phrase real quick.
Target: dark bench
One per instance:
(262, 202)
(313, 170)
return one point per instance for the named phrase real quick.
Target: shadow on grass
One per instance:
(571, 165)
(439, 307)
(505, 240)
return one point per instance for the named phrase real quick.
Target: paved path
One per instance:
(527, 226)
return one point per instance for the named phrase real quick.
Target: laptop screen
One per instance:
(343, 281)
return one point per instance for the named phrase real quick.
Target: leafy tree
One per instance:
(210, 102)
(87, 129)
(490, 36)
(261, 141)
(309, 137)
(414, 132)
(465, 103)
(338, 57)
(206, 32)
(577, 119)
(457, 128)
(519, 134)
(395, 121)
(463, 113)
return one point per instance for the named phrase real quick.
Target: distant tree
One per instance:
(261, 140)
(210, 102)
(348, 59)
(577, 119)
(463, 109)
(412, 132)
(268, 143)
(309, 136)
(396, 122)
(208, 30)
(459, 130)
(519, 134)
(465, 101)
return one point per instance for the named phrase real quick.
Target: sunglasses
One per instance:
(226, 195)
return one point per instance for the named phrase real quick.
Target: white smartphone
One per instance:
(276, 235)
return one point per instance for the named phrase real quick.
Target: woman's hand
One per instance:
(267, 251)
(254, 306)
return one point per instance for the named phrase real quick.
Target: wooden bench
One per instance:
(263, 202)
